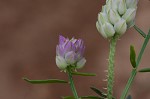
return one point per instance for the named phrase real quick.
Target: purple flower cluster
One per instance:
(70, 53)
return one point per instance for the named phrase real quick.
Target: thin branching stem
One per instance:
(134, 70)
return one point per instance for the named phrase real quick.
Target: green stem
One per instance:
(134, 71)
(72, 84)
(113, 42)
(132, 76)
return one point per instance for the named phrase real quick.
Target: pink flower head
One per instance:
(70, 53)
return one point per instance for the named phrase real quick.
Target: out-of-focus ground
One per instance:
(29, 31)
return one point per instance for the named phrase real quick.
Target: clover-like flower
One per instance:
(116, 17)
(70, 53)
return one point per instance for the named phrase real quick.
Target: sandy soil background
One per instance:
(29, 31)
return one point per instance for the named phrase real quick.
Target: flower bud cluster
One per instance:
(70, 53)
(116, 17)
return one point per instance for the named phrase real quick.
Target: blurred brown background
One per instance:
(29, 31)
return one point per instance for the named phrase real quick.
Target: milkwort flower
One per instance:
(70, 53)
(116, 17)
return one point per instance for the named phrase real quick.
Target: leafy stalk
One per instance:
(72, 83)
(134, 70)
(110, 82)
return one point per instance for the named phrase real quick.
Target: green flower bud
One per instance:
(102, 17)
(113, 16)
(120, 27)
(108, 29)
(106, 8)
(108, 2)
(131, 3)
(114, 4)
(100, 29)
(122, 7)
(129, 15)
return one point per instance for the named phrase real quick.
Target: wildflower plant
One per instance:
(69, 58)
(113, 21)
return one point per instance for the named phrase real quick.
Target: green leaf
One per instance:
(68, 97)
(145, 70)
(100, 93)
(149, 33)
(132, 56)
(45, 81)
(129, 97)
(140, 31)
(83, 74)
(91, 97)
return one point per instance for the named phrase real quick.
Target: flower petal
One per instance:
(60, 62)
(120, 27)
(129, 15)
(100, 30)
(70, 57)
(61, 39)
(81, 63)
(108, 29)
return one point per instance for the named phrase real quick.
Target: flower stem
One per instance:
(134, 70)
(72, 84)
(113, 42)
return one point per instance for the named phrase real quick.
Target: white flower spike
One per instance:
(116, 17)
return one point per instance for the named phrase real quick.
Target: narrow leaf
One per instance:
(100, 93)
(132, 56)
(91, 97)
(140, 31)
(129, 97)
(145, 70)
(83, 74)
(45, 81)
(148, 33)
